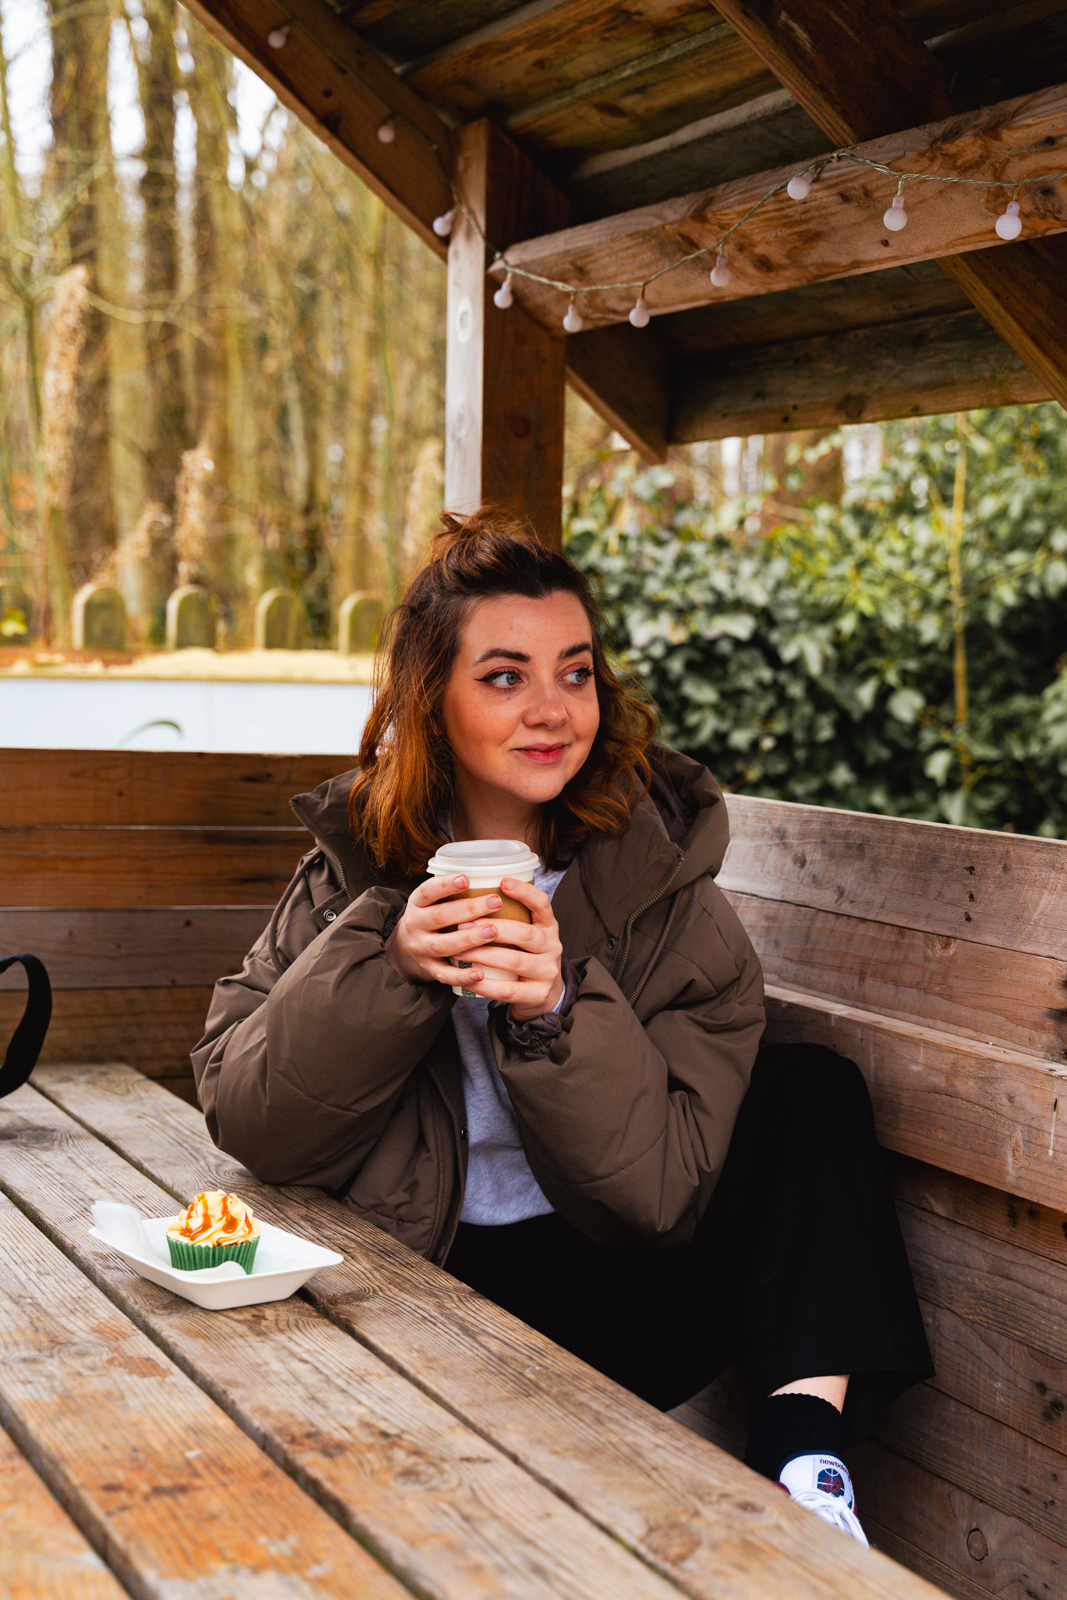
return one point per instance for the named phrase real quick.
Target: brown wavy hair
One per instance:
(405, 784)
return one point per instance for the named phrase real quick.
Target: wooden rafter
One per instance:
(916, 368)
(836, 232)
(333, 81)
(860, 71)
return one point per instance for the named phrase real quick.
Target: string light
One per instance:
(387, 131)
(1009, 224)
(640, 314)
(720, 272)
(896, 217)
(279, 37)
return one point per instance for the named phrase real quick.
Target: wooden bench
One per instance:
(934, 956)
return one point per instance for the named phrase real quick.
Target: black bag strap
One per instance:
(28, 1037)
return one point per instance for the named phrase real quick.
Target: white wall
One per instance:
(162, 714)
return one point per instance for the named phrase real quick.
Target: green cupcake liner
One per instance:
(187, 1257)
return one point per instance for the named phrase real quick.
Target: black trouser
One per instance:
(797, 1267)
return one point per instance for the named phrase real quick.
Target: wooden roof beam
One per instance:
(329, 78)
(836, 232)
(859, 72)
(343, 90)
(907, 369)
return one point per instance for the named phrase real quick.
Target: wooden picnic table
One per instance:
(384, 1432)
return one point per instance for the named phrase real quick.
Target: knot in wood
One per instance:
(977, 1548)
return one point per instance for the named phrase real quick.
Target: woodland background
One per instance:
(222, 362)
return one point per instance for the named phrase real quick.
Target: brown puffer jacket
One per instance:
(321, 1065)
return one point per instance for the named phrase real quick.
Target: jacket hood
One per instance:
(681, 829)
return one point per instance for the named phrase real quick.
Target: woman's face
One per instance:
(520, 710)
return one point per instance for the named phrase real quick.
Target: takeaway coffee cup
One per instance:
(484, 862)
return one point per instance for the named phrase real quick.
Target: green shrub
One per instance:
(820, 663)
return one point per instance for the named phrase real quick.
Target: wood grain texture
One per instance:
(913, 369)
(987, 1113)
(122, 867)
(622, 373)
(978, 1550)
(182, 1501)
(156, 788)
(448, 1513)
(1017, 1223)
(153, 1030)
(504, 399)
(1006, 1290)
(861, 75)
(999, 889)
(153, 948)
(43, 1556)
(1001, 996)
(836, 232)
(1018, 1476)
(695, 1516)
(343, 91)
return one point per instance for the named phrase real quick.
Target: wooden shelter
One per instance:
(593, 144)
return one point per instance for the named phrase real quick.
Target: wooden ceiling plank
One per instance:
(860, 72)
(335, 83)
(623, 375)
(488, 33)
(920, 368)
(836, 232)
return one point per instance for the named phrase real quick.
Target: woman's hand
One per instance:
(427, 935)
(436, 929)
(530, 952)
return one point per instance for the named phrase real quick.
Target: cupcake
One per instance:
(213, 1228)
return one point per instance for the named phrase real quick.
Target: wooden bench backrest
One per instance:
(933, 955)
(139, 877)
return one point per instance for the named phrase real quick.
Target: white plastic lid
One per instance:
(509, 858)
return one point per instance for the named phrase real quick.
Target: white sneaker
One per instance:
(822, 1484)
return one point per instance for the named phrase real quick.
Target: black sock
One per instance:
(786, 1425)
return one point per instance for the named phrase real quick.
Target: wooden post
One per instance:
(505, 375)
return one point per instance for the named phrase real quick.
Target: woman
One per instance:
(595, 1140)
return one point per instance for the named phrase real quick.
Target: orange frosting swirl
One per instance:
(215, 1218)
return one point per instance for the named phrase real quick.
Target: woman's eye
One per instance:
(579, 675)
(504, 678)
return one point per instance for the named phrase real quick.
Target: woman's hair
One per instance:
(405, 784)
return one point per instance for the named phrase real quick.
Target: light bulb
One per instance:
(278, 36)
(799, 186)
(387, 132)
(640, 314)
(442, 225)
(1009, 224)
(573, 321)
(896, 217)
(720, 272)
(504, 297)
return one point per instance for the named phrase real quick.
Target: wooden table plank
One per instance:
(43, 1556)
(703, 1520)
(451, 1515)
(178, 1497)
